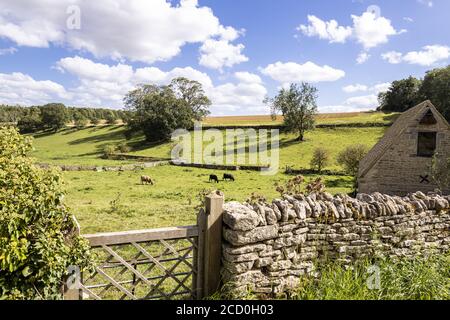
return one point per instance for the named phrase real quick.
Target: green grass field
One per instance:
(115, 201)
(324, 118)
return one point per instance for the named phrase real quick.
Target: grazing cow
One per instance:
(227, 176)
(213, 178)
(147, 180)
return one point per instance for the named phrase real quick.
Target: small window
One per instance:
(426, 144)
(428, 118)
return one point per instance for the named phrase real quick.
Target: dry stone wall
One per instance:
(267, 247)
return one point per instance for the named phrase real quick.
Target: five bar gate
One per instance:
(166, 263)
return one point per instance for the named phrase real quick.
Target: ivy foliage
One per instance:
(38, 241)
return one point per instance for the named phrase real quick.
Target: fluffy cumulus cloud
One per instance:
(355, 88)
(377, 88)
(366, 100)
(104, 85)
(217, 54)
(286, 72)
(369, 29)
(137, 30)
(19, 88)
(328, 30)
(362, 57)
(429, 55)
(244, 97)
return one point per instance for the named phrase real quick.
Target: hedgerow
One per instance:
(38, 242)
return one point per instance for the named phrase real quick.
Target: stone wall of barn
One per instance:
(400, 170)
(268, 246)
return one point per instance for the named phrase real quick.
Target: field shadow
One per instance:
(109, 136)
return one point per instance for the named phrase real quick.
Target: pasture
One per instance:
(323, 118)
(116, 201)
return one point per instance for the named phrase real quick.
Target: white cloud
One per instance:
(19, 88)
(328, 30)
(355, 88)
(427, 57)
(243, 97)
(392, 57)
(369, 29)
(104, 85)
(408, 19)
(217, 54)
(362, 57)
(247, 77)
(362, 102)
(294, 72)
(138, 30)
(427, 3)
(381, 87)
(377, 88)
(5, 51)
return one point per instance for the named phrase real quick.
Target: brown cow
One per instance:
(147, 180)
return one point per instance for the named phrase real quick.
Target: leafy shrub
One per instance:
(350, 157)
(320, 159)
(109, 150)
(37, 239)
(123, 148)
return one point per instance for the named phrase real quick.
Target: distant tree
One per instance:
(54, 116)
(401, 96)
(349, 159)
(159, 110)
(110, 117)
(193, 95)
(320, 159)
(30, 123)
(80, 120)
(94, 121)
(436, 88)
(298, 106)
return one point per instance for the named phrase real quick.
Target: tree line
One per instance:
(406, 93)
(54, 116)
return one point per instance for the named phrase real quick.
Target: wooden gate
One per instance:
(166, 263)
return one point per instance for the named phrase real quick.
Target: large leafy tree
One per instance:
(436, 87)
(54, 116)
(298, 104)
(37, 238)
(401, 96)
(159, 110)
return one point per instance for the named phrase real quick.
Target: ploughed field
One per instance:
(116, 201)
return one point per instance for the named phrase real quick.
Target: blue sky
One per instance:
(86, 53)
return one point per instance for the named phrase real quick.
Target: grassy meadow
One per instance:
(323, 118)
(116, 201)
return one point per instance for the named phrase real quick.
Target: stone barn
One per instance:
(401, 161)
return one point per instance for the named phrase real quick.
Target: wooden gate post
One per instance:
(73, 293)
(209, 245)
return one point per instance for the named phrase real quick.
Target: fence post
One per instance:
(72, 293)
(210, 245)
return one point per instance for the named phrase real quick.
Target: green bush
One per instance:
(123, 148)
(37, 239)
(109, 150)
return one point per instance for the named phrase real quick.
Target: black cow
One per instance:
(227, 176)
(213, 178)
